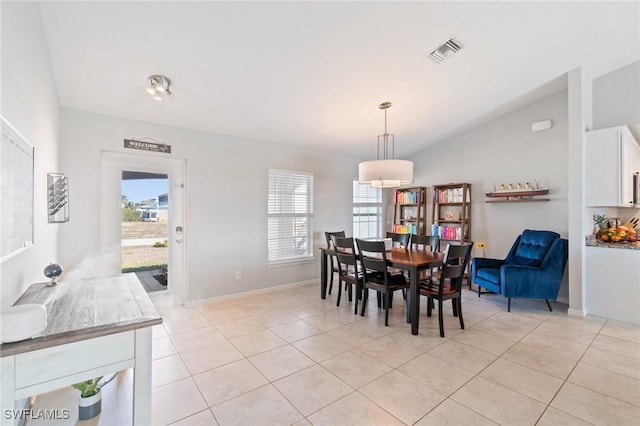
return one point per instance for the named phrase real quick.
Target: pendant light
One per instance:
(386, 172)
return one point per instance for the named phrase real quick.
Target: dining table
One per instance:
(412, 260)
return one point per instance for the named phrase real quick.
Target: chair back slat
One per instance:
(376, 265)
(365, 247)
(424, 241)
(329, 235)
(345, 251)
(372, 256)
(400, 239)
(455, 262)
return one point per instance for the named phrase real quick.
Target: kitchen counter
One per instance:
(593, 242)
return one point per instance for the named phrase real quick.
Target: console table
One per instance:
(95, 327)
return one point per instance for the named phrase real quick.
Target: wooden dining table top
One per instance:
(414, 257)
(407, 257)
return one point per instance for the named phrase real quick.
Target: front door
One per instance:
(117, 170)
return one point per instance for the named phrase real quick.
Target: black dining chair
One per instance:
(373, 259)
(448, 284)
(421, 242)
(349, 271)
(430, 242)
(332, 265)
(401, 240)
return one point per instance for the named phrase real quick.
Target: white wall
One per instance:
(505, 150)
(616, 99)
(616, 102)
(29, 102)
(226, 197)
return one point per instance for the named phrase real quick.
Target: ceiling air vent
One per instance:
(446, 50)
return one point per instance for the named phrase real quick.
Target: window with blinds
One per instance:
(367, 211)
(290, 216)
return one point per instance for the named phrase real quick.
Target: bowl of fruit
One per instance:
(620, 234)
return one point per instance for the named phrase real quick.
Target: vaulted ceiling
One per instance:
(313, 73)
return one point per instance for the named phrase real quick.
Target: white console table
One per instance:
(95, 327)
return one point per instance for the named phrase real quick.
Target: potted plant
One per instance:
(90, 401)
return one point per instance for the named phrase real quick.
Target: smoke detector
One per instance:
(446, 50)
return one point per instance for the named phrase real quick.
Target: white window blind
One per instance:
(290, 216)
(367, 211)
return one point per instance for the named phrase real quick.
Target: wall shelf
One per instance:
(517, 196)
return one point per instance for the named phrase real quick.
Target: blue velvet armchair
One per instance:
(532, 269)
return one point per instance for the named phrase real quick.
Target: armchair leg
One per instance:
(508, 304)
(548, 305)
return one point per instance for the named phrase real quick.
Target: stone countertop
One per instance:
(591, 241)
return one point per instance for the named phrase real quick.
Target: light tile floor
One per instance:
(287, 357)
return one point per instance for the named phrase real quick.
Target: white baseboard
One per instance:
(252, 292)
(576, 312)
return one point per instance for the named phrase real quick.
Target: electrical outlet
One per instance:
(238, 275)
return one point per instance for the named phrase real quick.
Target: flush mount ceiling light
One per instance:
(386, 172)
(159, 87)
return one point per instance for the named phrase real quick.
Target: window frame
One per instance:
(357, 204)
(287, 199)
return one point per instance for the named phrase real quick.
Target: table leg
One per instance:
(414, 306)
(323, 274)
(142, 377)
(7, 391)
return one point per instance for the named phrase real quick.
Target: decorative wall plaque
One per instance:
(147, 146)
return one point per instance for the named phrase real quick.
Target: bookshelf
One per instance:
(410, 211)
(451, 219)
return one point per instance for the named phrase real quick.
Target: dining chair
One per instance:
(332, 265)
(349, 271)
(430, 242)
(424, 241)
(448, 285)
(401, 240)
(373, 259)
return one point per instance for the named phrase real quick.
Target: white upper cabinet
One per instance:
(612, 157)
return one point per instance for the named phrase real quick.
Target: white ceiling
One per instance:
(313, 73)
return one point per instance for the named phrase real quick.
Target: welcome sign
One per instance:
(147, 146)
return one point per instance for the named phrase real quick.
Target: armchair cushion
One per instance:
(531, 247)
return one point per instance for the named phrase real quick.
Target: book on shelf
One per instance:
(405, 229)
(453, 195)
(447, 232)
(407, 197)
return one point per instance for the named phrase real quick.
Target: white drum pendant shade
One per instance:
(385, 173)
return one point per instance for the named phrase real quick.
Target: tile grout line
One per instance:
(359, 347)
